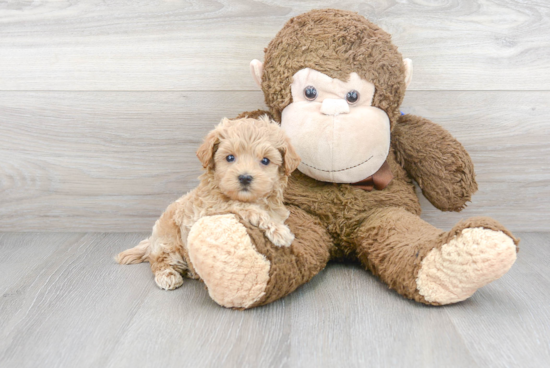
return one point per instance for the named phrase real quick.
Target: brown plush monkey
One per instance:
(335, 83)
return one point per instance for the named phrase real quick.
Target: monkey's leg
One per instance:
(429, 265)
(243, 269)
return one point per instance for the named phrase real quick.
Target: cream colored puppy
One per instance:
(247, 164)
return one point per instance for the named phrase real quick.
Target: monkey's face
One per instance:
(333, 126)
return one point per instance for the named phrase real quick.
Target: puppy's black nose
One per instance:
(245, 179)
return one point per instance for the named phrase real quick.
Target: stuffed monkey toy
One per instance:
(335, 82)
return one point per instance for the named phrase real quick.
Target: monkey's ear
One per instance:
(257, 70)
(291, 160)
(408, 71)
(206, 151)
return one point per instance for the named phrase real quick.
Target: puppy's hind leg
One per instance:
(168, 265)
(137, 254)
(167, 257)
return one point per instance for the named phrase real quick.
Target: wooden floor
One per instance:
(65, 303)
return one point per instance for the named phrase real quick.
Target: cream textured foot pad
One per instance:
(226, 260)
(471, 260)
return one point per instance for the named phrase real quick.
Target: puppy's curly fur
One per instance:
(247, 162)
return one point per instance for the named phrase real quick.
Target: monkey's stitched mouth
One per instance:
(340, 170)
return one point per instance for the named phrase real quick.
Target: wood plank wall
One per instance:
(102, 104)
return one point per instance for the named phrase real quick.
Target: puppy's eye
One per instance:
(352, 96)
(310, 93)
(230, 158)
(265, 161)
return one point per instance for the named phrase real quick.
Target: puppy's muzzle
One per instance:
(245, 180)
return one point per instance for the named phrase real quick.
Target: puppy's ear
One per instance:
(291, 160)
(226, 122)
(206, 151)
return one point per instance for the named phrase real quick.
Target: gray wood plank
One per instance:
(355, 320)
(72, 309)
(507, 323)
(186, 328)
(112, 161)
(535, 253)
(79, 308)
(207, 45)
(24, 253)
(321, 325)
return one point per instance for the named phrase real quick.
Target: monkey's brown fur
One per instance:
(335, 43)
(382, 229)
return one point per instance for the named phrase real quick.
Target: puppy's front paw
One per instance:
(168, 279)
(280, 235)
(256, 218)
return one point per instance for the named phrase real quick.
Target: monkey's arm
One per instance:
(436, 161)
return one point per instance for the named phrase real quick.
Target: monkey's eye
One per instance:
(310, 93)
(352, 96)
(230, 158)
(265, 161)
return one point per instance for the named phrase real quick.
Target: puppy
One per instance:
(247, 162)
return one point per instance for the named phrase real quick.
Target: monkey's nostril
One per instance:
(245, 179)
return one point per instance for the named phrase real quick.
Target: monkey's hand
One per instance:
(436, 161)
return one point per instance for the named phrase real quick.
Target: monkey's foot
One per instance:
(476, 257)
(225, 258)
